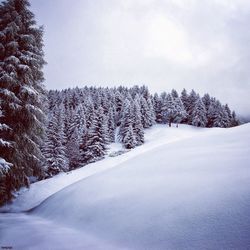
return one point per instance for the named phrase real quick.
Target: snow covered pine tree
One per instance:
(21, 93)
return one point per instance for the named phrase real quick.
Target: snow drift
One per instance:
(188, 193)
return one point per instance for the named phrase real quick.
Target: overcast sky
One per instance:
(164, 44)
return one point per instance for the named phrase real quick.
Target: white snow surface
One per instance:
(185, 188)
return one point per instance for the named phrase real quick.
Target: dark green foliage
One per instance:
(21, 92)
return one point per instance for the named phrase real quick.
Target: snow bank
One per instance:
(188, 193)
(39, 191)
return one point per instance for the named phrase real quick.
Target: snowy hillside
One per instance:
(185, 188)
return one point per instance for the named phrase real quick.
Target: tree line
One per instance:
(82, 122)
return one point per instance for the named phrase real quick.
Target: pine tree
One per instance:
(234, 120)
(221, 118)
(152, 117)
(54, 149)
(211, 113)
(137, 123)
(21, 91)
(199, 118)
(229, 113)
(192, 98)
(73, 149)
(111, 124)
(96, 138)
(180, 113)
(147, 112)
(77, 138)
(89, 106)
(206, 99)
(68, 121)
(225, 118)
(118, 107)
(129, 140)
(170, 109)
(158, 108)
(185, 101)
(164, 107)
(174, 94)
(126, 119)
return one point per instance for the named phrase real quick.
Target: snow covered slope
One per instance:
(39, 191)
(186, 188)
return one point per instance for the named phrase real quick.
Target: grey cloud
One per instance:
(165, 44)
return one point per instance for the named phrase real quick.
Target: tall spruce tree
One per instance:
(179, 113)
(170, 109)
(126, 119)
(158, 108)
(21, 92)
(192, 98)
(97, 137)
(185, 101)
(199, 118)
(137, 123)
(54, 147)
(129, 140)
(147, 112)
(111, 124)
(221, 117)
(77, 139)
(234, 120)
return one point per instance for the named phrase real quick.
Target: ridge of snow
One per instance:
(27, 198)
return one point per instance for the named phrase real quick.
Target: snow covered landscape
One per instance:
(185, 188)
(124, 125)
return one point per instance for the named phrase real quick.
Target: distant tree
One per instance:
(164, 107)
(199, 118)
(54, 149)
(111, 124)
(69, 121)
(77, 139)
(158, 108)
(185, 101)
(89, 108)
(118, 107)
(137, 122)
(206, 99)
(73, 149)
(211, 113)
(180, 113)
(96, 137)
(129, 140)
(174, 94)
(126, 119)
(192, 98)
(234, 120)
(147, 112)
(221, 118)
(152, 117)
(170, 109)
